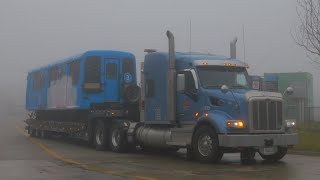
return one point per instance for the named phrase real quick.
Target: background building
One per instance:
(299, 105)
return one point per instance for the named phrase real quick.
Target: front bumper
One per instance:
(257, 140)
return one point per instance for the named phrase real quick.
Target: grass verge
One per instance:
(309, 137)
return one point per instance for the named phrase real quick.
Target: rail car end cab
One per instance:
(106, 77)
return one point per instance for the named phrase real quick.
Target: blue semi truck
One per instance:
(201, 102)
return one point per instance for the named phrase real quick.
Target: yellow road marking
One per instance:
(82, 165)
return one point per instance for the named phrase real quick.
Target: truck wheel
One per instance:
(118, 139)
(100, 136)
(247, 156)
(282, 151)
(205, 145)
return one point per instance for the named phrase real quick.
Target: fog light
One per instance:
(235, 124)
(290, 123)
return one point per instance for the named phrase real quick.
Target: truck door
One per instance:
(188, 101)
(111, 80)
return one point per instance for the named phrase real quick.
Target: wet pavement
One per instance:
(22, 157)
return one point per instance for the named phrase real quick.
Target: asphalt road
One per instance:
(22, 157)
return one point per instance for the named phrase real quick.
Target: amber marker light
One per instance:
(206, 114)
(235, 124)
(196, 114)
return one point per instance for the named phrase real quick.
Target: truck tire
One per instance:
(206, 145)
(282, 151)
(118, 140)
(100, 136)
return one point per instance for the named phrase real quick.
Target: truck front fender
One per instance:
(216, 119)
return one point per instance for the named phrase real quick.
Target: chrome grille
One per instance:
(266, 114)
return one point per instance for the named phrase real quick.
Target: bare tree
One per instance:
(307, 34)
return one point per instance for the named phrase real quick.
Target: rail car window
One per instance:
(128, 66)
(62, 71)
(149, 88)
(111, 71)
(92, 73)
(75, 71)
(38, 80)
(54, 73)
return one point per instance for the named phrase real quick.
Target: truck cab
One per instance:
(215, 110)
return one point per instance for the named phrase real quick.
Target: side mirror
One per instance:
(289, 91)
(181, 82)
(224, 89)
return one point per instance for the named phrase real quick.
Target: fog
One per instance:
(36, 32)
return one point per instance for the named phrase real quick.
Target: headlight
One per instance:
(235, 124)
(290, 123)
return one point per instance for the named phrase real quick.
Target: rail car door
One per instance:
(111, 80)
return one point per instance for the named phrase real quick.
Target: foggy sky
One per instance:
(36, 32)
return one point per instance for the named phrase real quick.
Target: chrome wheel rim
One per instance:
(205, 145)
(115, 137)
(99, 136)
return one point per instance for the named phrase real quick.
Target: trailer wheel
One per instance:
(118, 140)
(100, 136)
(205, 145)
(282, 151)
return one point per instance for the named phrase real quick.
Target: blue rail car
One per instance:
(91, 80)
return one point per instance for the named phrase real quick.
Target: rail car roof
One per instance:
(112, 53)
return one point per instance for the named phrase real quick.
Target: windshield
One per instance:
(216, 76)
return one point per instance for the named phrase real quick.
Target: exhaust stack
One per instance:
(171, 100)
(233, 49)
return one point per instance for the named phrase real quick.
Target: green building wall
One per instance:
(285, 80)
